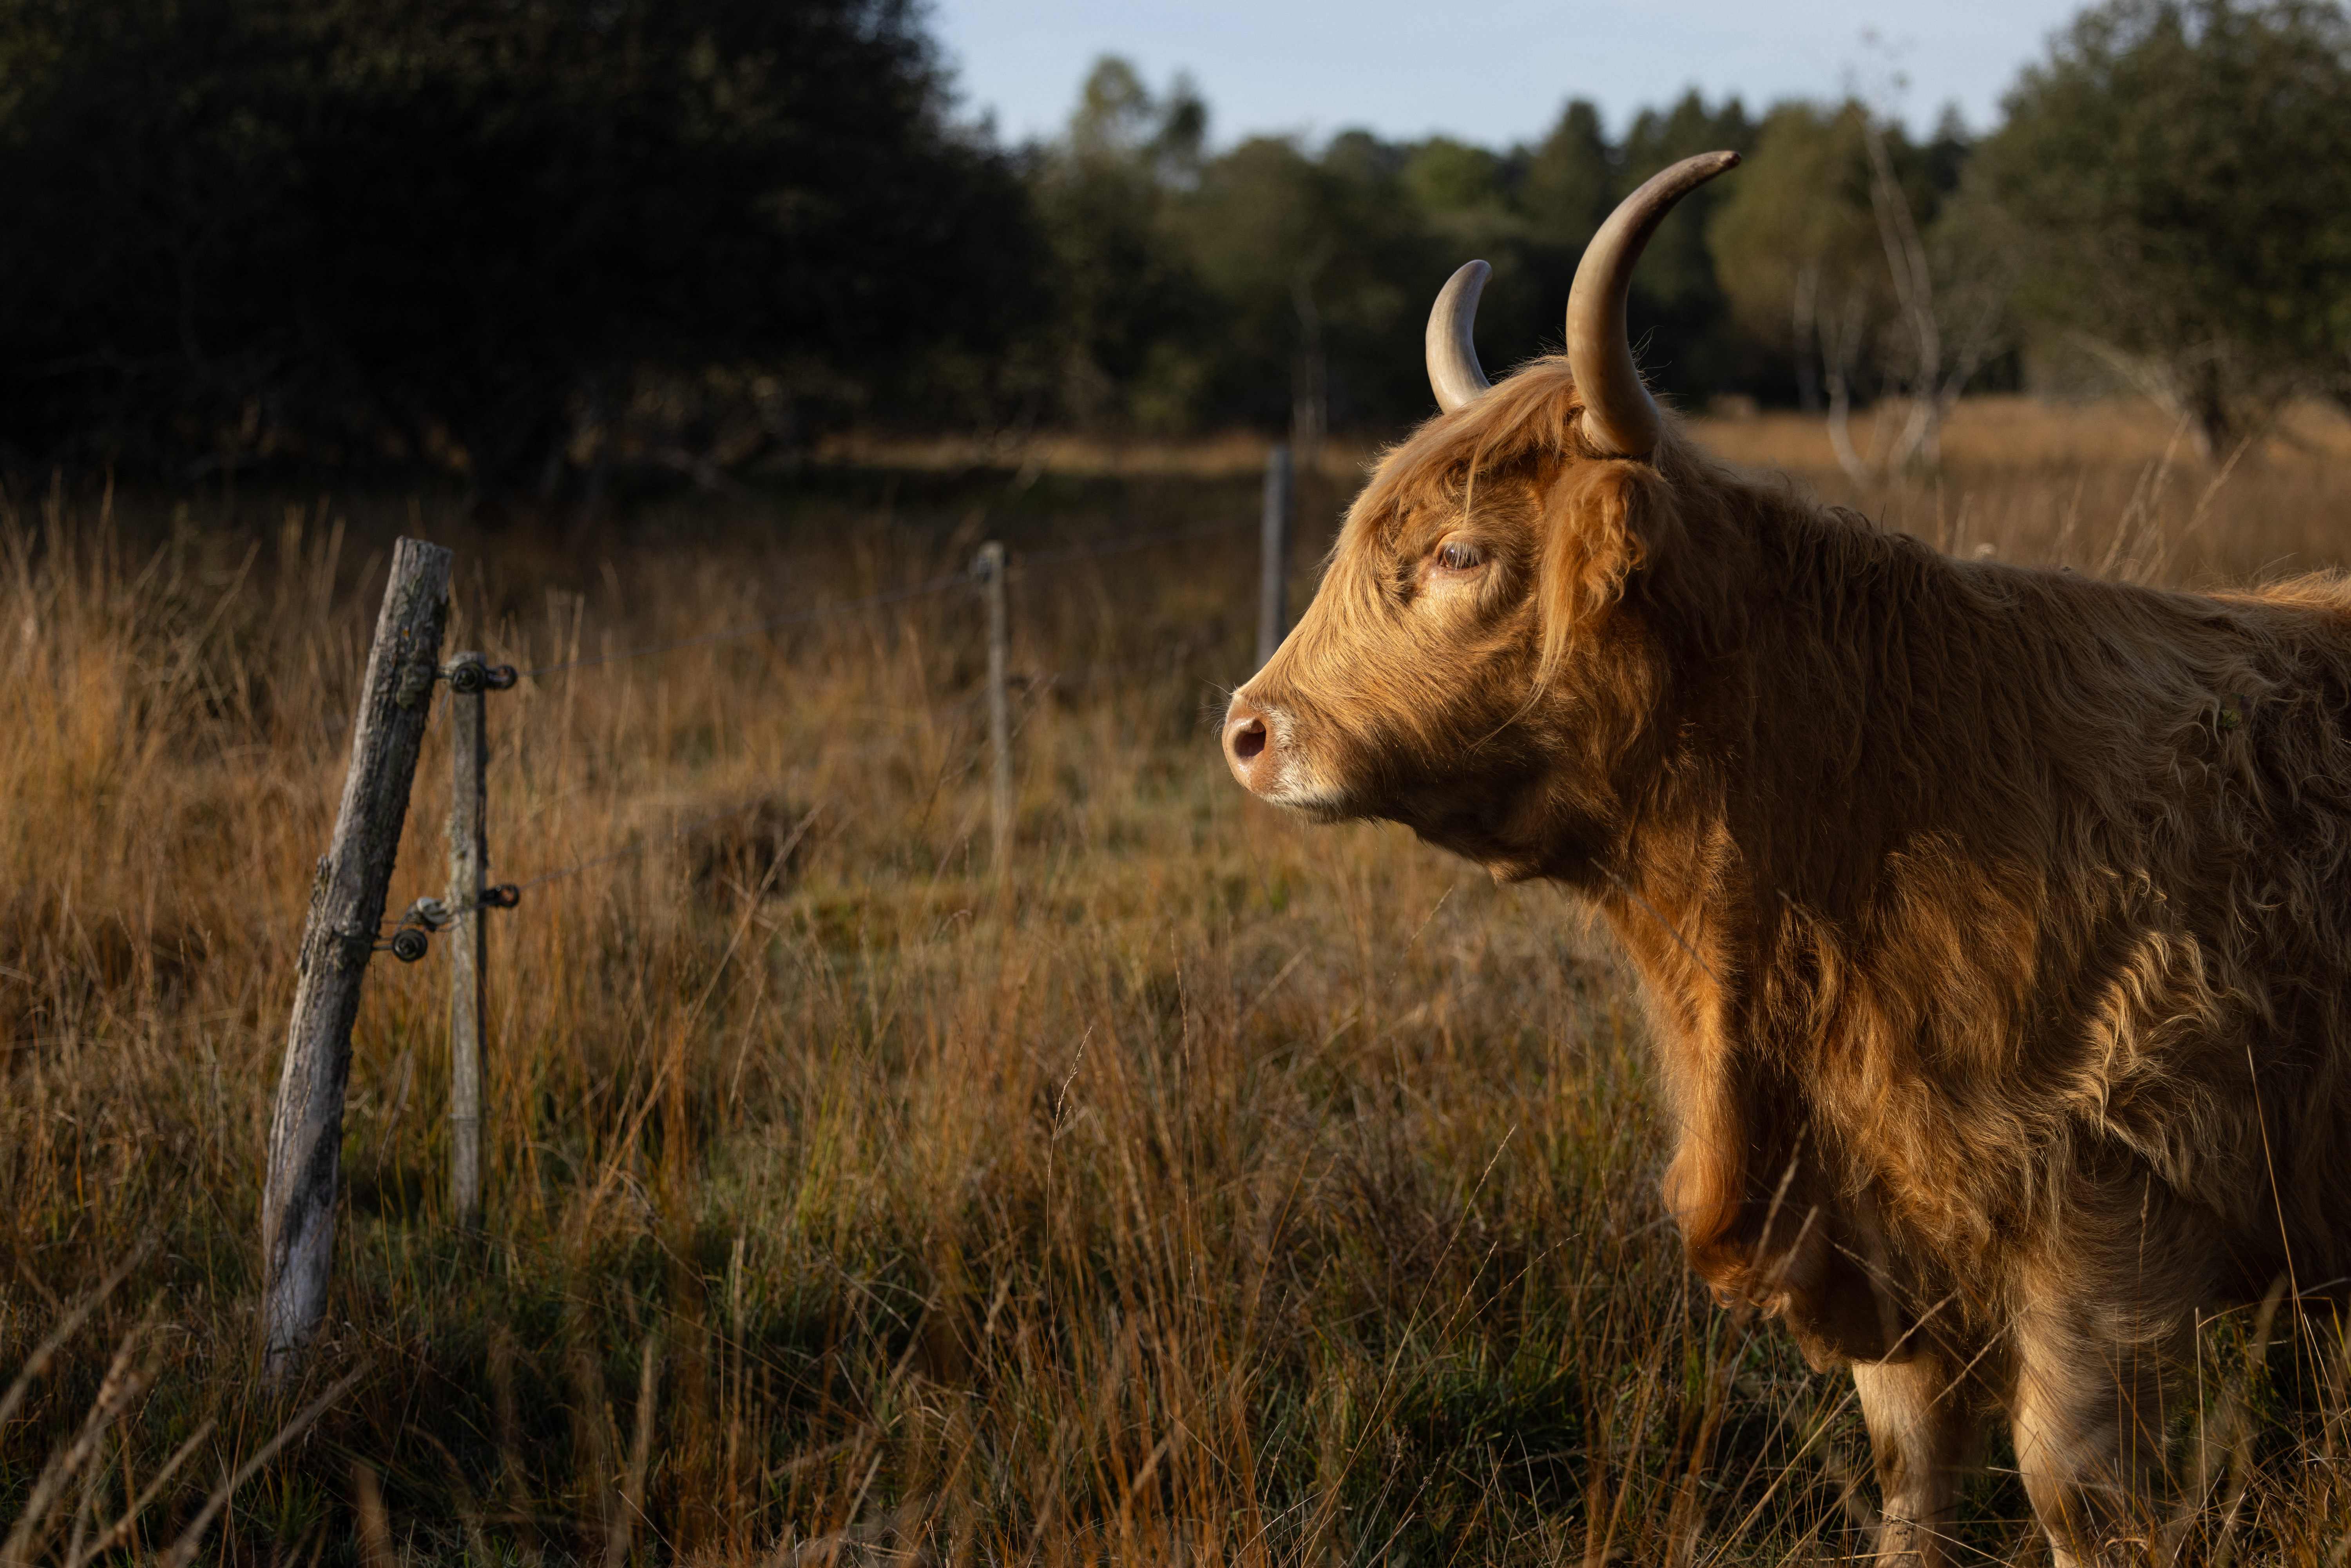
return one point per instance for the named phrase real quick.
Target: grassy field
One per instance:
(1213, 1189)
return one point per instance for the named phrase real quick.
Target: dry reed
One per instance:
(1231, 1191)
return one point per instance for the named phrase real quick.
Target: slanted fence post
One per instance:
(1273, 575)
(469, 903)
(990, 567)
(347, 895)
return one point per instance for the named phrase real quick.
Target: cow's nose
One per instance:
(1246, 740)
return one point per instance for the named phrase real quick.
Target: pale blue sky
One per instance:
(1494, 74)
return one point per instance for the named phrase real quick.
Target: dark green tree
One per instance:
(1677, 304)
(1322, 268)
(1795, 243)
(473, 226)
(1268, 232)
(1472, 205)
(1838, 244)
(1130, 312)
(2176, 178)
(1571, 179)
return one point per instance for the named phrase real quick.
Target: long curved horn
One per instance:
(1453, 370)
(1618, 415)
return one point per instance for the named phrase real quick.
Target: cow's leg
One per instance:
(2089, 1436)
(1922, 1429)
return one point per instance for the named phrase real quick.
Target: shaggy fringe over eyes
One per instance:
(1602, 512)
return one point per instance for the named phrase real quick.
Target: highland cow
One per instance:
(1994, 924)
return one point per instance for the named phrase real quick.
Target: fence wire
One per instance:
(774, 623)
(1035, 688)
(432, 914)
(1064, 556)
(1047, 560)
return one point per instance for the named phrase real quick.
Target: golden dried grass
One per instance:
(1218, 1189)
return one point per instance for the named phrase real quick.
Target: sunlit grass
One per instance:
(1214, 1189)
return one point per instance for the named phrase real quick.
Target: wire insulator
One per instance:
(504, 895)
(428, 913)
(473, 676)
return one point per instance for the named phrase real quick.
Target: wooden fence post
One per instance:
(347, 895)
(468, 948)
(1273, 573)
(990, 567)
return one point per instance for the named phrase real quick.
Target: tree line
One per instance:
(530, 240)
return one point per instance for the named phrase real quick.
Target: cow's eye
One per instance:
(1458, 556)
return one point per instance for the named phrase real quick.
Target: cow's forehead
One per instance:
(1494, 489)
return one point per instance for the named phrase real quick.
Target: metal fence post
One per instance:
(990, 567)
(347, 895)
(1273, 574)
(469, 681)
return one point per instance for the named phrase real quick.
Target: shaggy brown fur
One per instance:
(1995, 923)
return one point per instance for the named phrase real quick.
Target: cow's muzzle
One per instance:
(1250, 747)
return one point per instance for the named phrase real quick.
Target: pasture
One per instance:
(1211, 1188)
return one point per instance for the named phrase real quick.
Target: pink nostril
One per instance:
(1247, 741)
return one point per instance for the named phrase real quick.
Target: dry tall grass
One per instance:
(1218, 1189)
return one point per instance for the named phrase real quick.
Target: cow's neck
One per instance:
(1822, 757)
(1827, 722)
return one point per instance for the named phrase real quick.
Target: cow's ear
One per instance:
(1605, 521)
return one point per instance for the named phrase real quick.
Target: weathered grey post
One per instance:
(1273, 574)
(990, 567)
(347, 895)
(468, 947)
